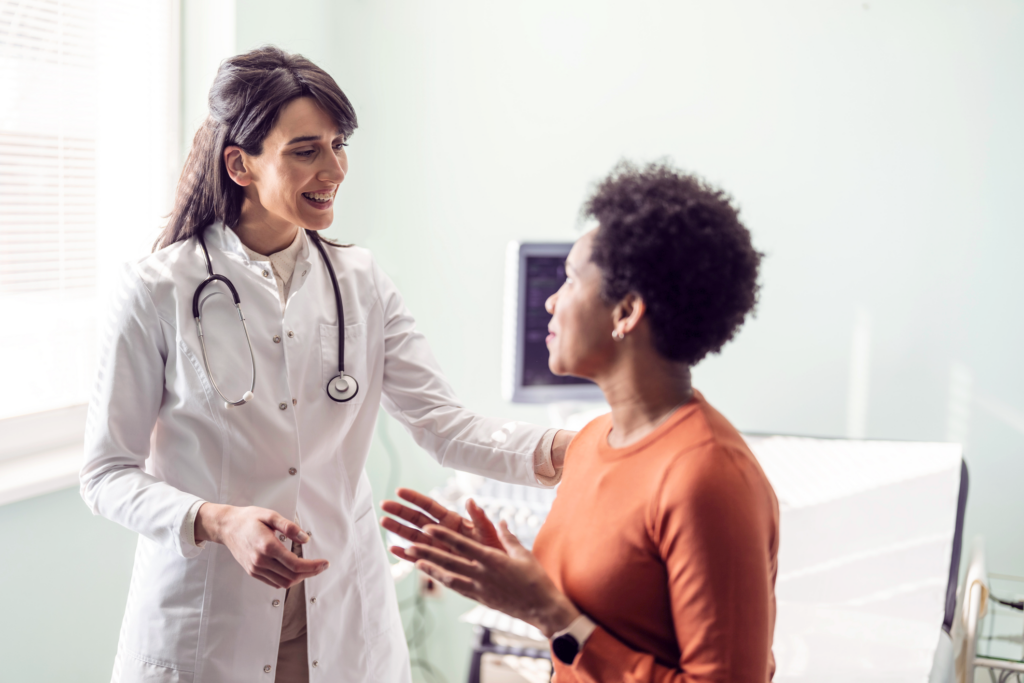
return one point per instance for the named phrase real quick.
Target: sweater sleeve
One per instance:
(712, 526)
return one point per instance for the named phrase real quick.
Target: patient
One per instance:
(657, 561)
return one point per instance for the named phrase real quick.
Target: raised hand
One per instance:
(510, 580)
(251, 534)
(479, 528)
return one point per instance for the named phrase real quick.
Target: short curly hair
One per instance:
(679, 244)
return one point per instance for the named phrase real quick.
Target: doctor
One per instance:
(243, 472)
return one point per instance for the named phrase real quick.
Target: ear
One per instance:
(234, 162)
(628, 313)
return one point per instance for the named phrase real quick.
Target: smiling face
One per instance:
(580, 341)
(293, 181)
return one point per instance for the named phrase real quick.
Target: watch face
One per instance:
(565, 648)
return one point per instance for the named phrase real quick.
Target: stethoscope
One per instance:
(341, 388)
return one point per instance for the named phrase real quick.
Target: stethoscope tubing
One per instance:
(342, 388)
(337, 300)
(247, 396)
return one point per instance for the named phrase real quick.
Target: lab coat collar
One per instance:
(218, 236)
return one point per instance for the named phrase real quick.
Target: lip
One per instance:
(549, 338)
(320, 206)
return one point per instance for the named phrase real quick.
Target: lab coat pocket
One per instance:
(355, 357)
(380, 606)
(164, 611)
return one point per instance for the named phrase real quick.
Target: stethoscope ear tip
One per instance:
(247, 396)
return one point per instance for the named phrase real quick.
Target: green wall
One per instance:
(65, 580)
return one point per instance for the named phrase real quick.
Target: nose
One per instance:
(549, 304)
(335, 168)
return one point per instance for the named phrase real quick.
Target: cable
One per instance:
(1018, 605)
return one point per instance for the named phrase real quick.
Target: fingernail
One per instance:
(303, 537)
(324, 566)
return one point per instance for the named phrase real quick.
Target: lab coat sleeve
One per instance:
(122, 413)
(417, 395)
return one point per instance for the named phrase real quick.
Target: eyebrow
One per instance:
(308, 138)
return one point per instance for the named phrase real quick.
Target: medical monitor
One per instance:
(533, 272)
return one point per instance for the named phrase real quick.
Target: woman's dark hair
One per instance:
(678, 243)
(247, 97)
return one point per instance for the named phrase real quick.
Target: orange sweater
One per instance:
(670, 545)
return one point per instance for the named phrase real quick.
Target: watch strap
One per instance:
(567, 643)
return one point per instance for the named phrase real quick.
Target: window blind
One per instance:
(47, 146)
(86, 100)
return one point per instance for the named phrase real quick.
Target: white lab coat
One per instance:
(159, 438)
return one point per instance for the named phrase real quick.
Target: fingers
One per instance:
(479, 517)
(508, 539)
(445, 560)
(275, 572)
(423, 502)
(295, 564)
(285, 526)
(459, 584)
(273, 578)
(269, 578)
(414, 517)
(460, 544)
(406, 532)
(399, 552)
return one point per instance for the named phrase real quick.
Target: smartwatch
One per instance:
(568, 642)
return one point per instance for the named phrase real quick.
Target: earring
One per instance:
(617, 336)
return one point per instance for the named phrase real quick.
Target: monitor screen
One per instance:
(544, 275)
(535, 271)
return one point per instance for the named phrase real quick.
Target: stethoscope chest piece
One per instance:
(342, 388)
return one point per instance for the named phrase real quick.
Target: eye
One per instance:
(305, 153)
(338, 146)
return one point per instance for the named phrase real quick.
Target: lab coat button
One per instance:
(266, 273)
(277, 340)
(266, 669)
(316, 663)
(295, 401)
(281, 538)
(290, 334)
(276, 603)
(292, 471)
(312, 601)
(283, 406)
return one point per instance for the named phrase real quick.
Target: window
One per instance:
(88, 133)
